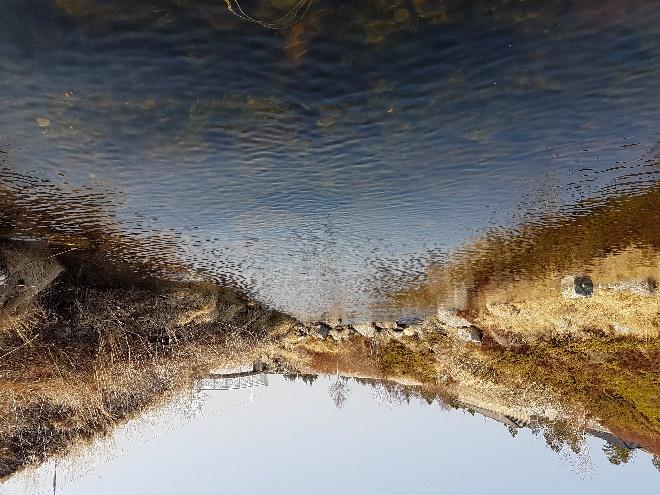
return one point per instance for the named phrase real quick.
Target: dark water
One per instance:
(326, 164)
(380, 441)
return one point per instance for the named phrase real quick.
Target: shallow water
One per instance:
(323, 166)
(291, 436)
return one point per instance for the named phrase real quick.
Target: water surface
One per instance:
(322, 166)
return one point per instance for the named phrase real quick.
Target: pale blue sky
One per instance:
(292, 439)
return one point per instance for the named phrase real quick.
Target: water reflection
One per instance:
(221, 430)
(323, 165)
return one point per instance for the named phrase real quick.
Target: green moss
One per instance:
(616, 380)
(397, 359)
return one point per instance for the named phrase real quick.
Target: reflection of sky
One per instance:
(292, 439)
(312, 183)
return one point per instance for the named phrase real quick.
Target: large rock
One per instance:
(365, 329)
(584, 286)
(468, 334)
(451, 319)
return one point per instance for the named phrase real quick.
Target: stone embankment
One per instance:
(581, 306)
(447, 323)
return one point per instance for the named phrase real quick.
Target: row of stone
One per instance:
(338, 332)
(447, 323)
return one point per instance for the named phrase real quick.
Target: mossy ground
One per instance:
(395, 358)
(617, 380)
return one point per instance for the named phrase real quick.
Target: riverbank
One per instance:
(86, 345)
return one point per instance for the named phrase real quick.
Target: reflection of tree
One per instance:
(617, 454)
(656, 462)
(339, 391)
(389, 394)
(306, 378)
(309, 379)
(561, 433)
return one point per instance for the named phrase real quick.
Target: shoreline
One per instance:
(88, 344)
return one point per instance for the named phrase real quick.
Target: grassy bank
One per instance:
(91, 350)
(87, 349)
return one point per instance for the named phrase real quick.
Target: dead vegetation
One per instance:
(77, 357)
(608, 312)
(93, 349)
(616, 379)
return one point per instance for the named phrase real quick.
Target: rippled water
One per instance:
(321, 166)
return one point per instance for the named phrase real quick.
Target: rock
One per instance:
(502, 339)
(645, 287)
(576, 286)
(27, 270)
(412, 330)
(503, 310)
(469, 334)
(387, 325)
(584, 286)
(321, 329)
(346, 329)
(4, 273)
(365, 329)
(451, 319)
(565, 325)
(410, 320)
(338, 334)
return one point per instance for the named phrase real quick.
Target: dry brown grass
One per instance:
(557, 317)
(354, 357)
(80, 357)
